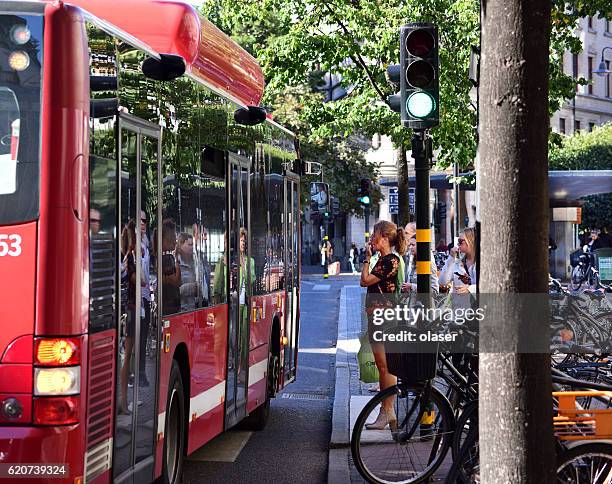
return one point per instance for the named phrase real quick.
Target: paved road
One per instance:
(294, 446)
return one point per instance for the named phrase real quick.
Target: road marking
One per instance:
(224, 448)
(321, 287)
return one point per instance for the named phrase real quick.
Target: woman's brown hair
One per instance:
(128, 237)
(183, 237)
(397, 236)
(470, 238)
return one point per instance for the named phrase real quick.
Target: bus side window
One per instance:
(213, 212)
(259, 222)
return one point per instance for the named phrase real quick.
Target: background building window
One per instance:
(591, 126)
(590, 85)
(590, 22)
(562, 125)
(575, 68)
(576, 126)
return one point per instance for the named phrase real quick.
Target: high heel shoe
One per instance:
(384, 418)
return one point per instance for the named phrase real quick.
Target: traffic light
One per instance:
(393, 76)
(364, 191)
(419, 80)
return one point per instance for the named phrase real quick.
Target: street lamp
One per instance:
(602, 70)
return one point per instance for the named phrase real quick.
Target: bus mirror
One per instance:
(166, 68)
(103, 83)
(250, 116)
(103, 108)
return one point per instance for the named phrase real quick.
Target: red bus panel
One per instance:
(17, 286)
(176, 28)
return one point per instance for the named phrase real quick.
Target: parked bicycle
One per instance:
(432, 391)
(584, 273)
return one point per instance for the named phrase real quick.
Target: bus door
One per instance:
(136, 395)
(291, 218)
(240, 271)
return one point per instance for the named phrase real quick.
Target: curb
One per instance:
(338, 469)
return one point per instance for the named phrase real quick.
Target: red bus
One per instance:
(149, 240)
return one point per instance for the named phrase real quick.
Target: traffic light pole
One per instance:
(367, 223)
(422, 154)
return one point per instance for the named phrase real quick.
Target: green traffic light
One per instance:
(420, 104)
(365, 200)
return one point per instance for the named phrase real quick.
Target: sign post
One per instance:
(393, 201)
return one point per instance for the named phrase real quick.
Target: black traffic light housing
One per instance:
(393, 76)
(419, 79)
(364, 191)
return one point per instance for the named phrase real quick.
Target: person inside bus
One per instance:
(189, 285)
(171, 270)
(246, 283)
(128, 266)
(94, 220)
(146, 298)
(201, 264)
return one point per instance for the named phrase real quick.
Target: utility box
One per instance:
(603, 263)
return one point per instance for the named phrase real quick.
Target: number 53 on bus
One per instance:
(149, 239)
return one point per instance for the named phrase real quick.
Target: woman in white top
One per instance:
(461, 271)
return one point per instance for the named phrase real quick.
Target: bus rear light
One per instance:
(20, 34)
(57, 381)
(56, 410)
(57, 352)
(19, 60)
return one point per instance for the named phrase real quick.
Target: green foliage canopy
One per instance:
(358, 39)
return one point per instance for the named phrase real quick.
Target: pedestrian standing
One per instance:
(353, 258)
(411, 274)
(460, 267)
(382, 279)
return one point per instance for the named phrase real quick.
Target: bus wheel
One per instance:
(258, 418)
(174, 440)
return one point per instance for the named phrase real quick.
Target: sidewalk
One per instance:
(350, 394)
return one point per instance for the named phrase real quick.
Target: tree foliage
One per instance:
(588, 151)
(584, 151)
(342, 159)
(358, 39)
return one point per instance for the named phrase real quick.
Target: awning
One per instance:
(563, 185)
(575, 184)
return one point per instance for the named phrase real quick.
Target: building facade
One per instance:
(592, 105)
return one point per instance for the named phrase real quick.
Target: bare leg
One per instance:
(386, 379)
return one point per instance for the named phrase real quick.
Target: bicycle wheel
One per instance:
(466, 467)
(410, 450)
(586, 463)
(578, 277)
(467, 420)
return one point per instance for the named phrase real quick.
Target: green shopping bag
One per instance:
(368, 373)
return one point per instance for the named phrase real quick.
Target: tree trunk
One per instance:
(403, 214)
(516, 441)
